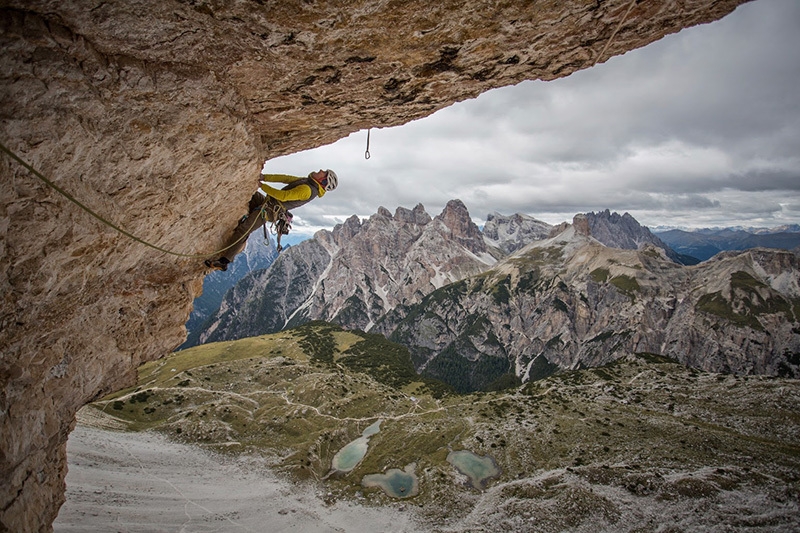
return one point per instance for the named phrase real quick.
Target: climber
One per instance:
(275, 208)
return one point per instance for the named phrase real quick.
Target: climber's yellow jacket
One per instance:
(298, 191)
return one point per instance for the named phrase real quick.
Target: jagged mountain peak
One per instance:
(347, 229)
(517, 218)
(418, 215)
(455, 215)
(354, 226)
(619, 231)
(456, 218)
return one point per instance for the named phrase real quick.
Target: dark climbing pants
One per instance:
(253, 221)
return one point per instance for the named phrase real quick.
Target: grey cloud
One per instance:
(690, 201)
(771, 179)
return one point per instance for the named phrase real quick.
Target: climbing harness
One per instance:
(614, 33)
(366, 154)
(282, 227)
(75, 201)
(281, 221)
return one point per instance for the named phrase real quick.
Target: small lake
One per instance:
(479, 469)
(396, 483)
(348, 457)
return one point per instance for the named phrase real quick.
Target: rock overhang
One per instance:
(159, 115)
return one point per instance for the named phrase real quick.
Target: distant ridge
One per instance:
(510, 233)
(706, 243)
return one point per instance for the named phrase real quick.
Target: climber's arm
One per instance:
(301, 192)
(279, 178)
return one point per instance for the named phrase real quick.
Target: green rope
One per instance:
(75, 201)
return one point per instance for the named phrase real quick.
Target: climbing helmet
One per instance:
(332, 180)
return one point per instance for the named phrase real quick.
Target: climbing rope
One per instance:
(366, 154)
(621, 22)
(75, 201)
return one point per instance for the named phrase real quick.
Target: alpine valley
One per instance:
(521, 299)
(522, 377)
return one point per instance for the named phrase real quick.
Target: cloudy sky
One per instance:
(700, 129)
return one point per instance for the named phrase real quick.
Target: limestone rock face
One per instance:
(462, 230)
(159, 115)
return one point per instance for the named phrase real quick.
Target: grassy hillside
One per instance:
(622, 446)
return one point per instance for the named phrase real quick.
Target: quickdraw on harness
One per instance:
(281, 220)
(282, 227)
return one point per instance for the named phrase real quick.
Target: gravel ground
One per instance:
(141, 482)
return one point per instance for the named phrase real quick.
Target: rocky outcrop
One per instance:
(462, 229)
(159, 115)
(621, 231)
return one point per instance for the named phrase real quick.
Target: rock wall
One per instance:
(159, 115)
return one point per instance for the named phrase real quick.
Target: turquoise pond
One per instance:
(404, 483)
(479, 469)
(348, 457)
(396, 483)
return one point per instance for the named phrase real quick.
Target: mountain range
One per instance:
(522, 299)
(570, 302)
(356, 273)
(257, 255)
(704, 244)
